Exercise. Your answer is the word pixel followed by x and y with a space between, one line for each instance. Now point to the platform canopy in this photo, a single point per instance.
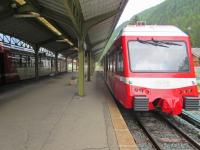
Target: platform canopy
pixel 59 24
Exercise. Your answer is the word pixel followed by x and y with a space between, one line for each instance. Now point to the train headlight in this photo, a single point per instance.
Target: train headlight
pixel 141 91
pixel 187 91
pixel 147 91
pixel 180 91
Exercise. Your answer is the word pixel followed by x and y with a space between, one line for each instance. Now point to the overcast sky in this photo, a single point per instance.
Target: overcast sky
pixel 134 7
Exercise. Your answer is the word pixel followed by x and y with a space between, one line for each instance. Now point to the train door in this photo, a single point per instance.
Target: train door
pixel 2 69
pixel 119 72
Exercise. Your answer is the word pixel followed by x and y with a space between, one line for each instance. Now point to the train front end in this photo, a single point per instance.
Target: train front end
pixel 160 70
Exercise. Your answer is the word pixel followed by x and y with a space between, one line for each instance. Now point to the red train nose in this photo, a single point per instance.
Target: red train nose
pixel 171 106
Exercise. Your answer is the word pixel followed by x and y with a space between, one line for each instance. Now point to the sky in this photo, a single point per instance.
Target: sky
pixel 134 7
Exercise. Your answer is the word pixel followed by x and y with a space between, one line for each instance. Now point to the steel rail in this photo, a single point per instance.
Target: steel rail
pixel 181 132
pixel 191 120
pixel 152 138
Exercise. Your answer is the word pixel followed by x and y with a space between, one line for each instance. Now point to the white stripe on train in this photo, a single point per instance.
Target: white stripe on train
pixel 159 83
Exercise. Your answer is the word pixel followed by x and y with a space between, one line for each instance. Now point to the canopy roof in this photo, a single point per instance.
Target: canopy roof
pixel 58 24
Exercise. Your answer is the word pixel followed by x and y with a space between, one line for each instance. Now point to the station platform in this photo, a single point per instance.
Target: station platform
pixel 49 115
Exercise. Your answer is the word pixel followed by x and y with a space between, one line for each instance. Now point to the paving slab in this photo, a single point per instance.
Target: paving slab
pixel 49 115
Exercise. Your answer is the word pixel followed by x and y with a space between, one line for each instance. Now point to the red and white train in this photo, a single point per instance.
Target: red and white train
pixel 19 64
pixel 151 67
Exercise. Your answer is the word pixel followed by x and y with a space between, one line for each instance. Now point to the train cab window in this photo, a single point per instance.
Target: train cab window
pixel 170 56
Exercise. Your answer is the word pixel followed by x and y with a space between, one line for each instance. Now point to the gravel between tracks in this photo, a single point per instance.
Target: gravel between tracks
pixel 167 137
pixel 141 139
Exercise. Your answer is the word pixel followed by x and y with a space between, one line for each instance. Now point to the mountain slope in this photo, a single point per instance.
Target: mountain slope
pixel 182 13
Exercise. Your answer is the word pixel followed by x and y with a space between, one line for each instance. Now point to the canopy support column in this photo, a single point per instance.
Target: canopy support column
pixel 92 65
pixel 89 66
pixel 81 55
pixel 36 49
pixel 56 62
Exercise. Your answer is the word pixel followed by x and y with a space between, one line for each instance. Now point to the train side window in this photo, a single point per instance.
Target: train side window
pixel 32 61
pixel 106 63
pixel 20 60
pixel 110 63
pixel 120 63
pixel 13 59
pixel 113 62
pixel 29 61
pixel 24 61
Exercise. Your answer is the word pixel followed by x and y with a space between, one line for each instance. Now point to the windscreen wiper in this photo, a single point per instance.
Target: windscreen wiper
pixel 152 43
pixel 166 42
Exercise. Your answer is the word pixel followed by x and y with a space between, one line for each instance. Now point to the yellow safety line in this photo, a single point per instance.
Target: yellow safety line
pixel 124 137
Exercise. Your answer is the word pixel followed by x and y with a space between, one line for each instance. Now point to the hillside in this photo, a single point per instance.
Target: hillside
pixel 183 13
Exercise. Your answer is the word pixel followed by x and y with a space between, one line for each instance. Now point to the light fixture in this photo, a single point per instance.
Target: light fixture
pixel 21 2
pixel 43 21
pixel 27 15
pixel 75 48
pixel 65 40
pixel 49 25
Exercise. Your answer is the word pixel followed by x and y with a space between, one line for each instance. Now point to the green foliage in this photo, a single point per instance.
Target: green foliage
pixel 184 14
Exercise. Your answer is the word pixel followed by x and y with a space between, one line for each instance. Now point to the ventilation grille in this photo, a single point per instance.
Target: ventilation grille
pixel 191 103
pixel 141 104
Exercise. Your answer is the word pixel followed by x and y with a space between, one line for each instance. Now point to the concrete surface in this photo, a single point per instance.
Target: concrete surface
pixel 48 115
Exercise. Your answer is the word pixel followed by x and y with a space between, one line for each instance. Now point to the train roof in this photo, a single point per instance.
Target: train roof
pixel 152 30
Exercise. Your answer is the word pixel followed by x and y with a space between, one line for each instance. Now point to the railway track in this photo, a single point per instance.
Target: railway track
pixel 158 131
pixel 164 133
pixel 192 117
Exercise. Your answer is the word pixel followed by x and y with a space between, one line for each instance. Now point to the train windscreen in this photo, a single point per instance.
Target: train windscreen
pixel 158 56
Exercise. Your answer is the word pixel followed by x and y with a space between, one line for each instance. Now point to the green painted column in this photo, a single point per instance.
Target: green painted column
pixel 89 66
pixel 92 65
pixel 81 55
pixel 36 49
